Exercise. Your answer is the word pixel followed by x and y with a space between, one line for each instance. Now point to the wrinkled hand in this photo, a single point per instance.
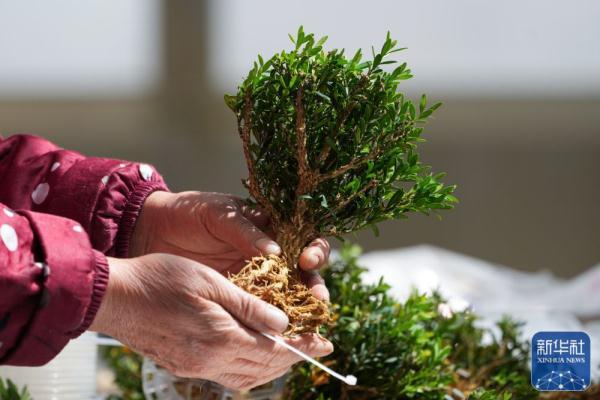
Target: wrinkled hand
pixel 196 323
pixel 218 230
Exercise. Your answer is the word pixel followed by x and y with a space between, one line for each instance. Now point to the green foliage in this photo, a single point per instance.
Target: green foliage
pixel 409 350
pixel 127 366
pixel 397 350
pixel 330 141
pixel 10 391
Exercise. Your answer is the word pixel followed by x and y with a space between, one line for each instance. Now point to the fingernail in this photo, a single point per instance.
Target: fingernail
pixel 267 246
pixel 314 260
pixel 278 321
pixel 321 293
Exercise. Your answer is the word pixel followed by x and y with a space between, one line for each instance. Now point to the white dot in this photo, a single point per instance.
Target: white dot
pixel 146 171
pixel 40 193
pixel 9 237
pixel 572 380
pixel 560 386
pixel 122 165
pixel 549 380
pixel 559 374
pixel 40 265
pixel 55 166
pixel 78 228
pixel 537 386
pixel 105 180
pixel 9 213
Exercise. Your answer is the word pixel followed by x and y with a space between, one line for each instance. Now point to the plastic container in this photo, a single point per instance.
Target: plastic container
pixel 159 384
pixel 69 376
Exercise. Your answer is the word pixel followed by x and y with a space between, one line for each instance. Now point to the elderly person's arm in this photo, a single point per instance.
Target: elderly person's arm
pixel 62 212
pixel 186 316
pixel 105 196
pixel 51 285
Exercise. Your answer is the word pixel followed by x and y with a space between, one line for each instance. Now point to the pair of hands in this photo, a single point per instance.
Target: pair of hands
pixel 165 303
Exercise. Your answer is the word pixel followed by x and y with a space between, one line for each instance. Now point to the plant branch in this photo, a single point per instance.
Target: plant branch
pixel 355 163
pixel 245 130
pixel 341 206
pixel 341 120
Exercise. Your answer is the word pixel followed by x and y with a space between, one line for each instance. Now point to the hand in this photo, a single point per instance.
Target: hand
pixel 196 323
pixel 218 230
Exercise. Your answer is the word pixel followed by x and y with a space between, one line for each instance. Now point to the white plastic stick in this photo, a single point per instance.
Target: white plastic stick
pixel 104 341
pixel 348 379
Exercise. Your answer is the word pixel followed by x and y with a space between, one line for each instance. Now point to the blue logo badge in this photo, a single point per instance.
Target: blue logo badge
pixel 560 361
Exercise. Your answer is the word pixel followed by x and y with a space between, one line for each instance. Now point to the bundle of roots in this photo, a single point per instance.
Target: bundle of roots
pixel 269 278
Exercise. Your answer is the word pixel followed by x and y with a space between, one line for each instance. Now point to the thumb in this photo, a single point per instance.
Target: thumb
pixel 247 308
pixel 242 234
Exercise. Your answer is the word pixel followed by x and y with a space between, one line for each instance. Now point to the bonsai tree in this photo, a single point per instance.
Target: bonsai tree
pixel 331 148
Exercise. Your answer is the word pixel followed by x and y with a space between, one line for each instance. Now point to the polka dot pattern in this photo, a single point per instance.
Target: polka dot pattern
pixel 146 171
pixel 65 189
pixel 9 237
pixel 40 193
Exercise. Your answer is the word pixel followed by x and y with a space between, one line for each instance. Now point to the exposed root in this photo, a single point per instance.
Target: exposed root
pixel 269 279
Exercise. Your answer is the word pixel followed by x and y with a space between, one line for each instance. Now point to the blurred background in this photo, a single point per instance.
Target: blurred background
pixel 519 131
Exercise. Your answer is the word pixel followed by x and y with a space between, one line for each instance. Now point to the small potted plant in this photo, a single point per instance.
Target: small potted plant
pixel 331 148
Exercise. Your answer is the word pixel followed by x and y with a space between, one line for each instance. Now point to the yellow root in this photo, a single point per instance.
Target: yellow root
pixel 269 279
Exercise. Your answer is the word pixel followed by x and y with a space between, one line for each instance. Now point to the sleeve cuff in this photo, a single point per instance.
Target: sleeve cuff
pixel 73 282
pixel 131 213
pixel 101 194
pixel 98 289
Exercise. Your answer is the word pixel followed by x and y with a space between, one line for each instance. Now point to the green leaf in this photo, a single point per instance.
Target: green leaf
pixel 321 41
pixel 322 95
pixel 324 201
pixel 422 104
pixel 231 102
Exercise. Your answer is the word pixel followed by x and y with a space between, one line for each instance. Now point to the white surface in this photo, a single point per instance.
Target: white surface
pixel 462 47
pixel 69 376
pixel 541 300
pixel 67 48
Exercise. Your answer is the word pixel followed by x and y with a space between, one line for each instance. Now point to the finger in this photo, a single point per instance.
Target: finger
pixel 316 284
pixel 315 255
pixel 246 308
pixel 259 349
pixel 245 366
pixel 312 344
pixel 269 378
pixel 236 382
pixel 256 215
pixel 234 228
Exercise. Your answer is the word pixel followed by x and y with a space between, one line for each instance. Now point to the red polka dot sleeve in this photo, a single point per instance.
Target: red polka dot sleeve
pixel 60 213
pixel 104 195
